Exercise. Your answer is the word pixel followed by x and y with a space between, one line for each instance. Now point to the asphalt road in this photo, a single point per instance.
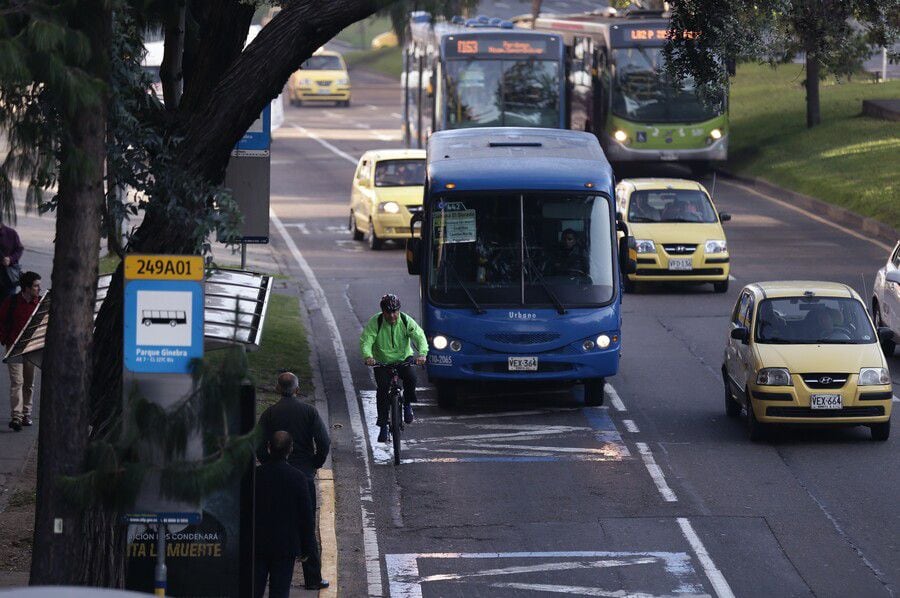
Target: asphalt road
pixel 655 494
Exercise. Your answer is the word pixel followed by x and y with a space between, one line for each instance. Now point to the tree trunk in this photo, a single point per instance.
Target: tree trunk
pixel 536 9
pixel 66 369
pixel 813 114
pixel 170 71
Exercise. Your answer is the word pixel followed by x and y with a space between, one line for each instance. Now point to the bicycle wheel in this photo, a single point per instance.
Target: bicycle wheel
pixel 396 424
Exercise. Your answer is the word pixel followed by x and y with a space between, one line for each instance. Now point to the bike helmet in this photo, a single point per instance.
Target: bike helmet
pixel 390 302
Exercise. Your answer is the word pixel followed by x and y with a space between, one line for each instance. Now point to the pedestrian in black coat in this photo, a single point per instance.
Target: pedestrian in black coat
pixel 310 449
pixel 285 520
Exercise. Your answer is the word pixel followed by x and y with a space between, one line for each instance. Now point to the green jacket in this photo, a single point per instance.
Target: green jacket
pixel 391 343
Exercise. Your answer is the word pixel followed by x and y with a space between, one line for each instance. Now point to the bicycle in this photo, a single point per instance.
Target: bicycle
pixel 395 407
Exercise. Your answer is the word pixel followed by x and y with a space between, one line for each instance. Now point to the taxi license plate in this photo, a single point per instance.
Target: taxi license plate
pixel 523 364
pixel 826 402
pixel 324 91
pixel 682 263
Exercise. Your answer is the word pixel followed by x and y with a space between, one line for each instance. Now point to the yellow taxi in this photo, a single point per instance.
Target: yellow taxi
pixel 677 230
pixel 322 77
pixel 802 352
pixel 387 190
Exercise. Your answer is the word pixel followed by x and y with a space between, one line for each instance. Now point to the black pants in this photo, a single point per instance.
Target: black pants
pixel 383 380
pixel 312 566
pixel 278 572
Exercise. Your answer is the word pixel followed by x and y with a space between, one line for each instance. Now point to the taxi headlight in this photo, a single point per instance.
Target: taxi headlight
pixel 455 345
pixel 620 136
pixel 645 246
pixel 603 341
pixel 716 134
pixel 873 377
pixel 304 81
pixel 391 207
pixel 439 342
pixel 716 246
pixel 773 377
pixel 346 81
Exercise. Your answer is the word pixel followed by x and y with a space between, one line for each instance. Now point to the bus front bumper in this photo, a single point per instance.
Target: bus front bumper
pixel 714 152
pixel 550 366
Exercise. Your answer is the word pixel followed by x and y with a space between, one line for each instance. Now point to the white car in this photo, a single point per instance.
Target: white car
pixel 886 300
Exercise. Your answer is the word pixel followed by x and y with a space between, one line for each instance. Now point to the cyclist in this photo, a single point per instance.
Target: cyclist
pixel 386 339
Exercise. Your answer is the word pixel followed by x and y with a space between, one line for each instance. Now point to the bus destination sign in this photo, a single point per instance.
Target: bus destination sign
pixel 649 35
pixel 485 46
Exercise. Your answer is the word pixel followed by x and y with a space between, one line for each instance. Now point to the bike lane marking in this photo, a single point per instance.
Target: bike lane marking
pixel 370 535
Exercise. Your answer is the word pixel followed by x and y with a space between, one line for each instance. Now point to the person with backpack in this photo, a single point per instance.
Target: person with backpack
pixel 14 314
pixel 386 339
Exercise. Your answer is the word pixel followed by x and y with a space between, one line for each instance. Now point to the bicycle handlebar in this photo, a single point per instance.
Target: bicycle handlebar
pixel 407 361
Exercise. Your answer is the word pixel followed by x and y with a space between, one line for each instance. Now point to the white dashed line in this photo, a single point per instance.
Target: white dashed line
pixel 301 226
pixel 371 107
pixel 614 398
pixel 719 584
pixel 326 145
pixel 396 115
pixel 656 473
pixel 630 426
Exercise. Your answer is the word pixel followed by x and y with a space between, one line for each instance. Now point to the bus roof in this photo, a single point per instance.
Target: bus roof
pixel 517 158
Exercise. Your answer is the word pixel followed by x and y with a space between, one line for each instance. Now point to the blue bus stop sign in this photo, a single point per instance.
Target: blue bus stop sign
pixel 258 137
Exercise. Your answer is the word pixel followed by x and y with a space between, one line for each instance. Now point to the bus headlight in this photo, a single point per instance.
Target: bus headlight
pixel 455 345
pixel 391 207
pixel 645 246
pixel 439 342
pixel 716 134
pixel 716 246
pixel 587 345
pixel 603 341
pixel 620 136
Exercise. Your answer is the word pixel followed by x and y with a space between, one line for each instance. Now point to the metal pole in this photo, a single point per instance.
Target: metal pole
pixel 159 574
pixel 883 64
pixel 243 255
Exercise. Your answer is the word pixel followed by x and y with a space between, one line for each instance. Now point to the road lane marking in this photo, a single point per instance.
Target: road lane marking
pixel 301 226
pixel 614 398
pixel 896 400
pixel 370 535
pixel 731 277
pixel 327 146
pixel 371 107
pixel 630 426
pixel 719 584
pixel 396 115
pixel 656 473
pixel 362 125
pixel 676 569
pixel 809 214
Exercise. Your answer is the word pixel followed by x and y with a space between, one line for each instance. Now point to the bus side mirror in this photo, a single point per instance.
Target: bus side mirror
pixel 628 255
pixel 413 255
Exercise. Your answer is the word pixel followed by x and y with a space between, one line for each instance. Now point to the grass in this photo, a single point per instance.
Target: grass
pixel 21 498
pixel 108 263
pixel 849 160
pixel 360 34
pixel 387 61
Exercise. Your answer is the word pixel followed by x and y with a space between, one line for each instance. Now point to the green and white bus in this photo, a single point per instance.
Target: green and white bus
pixel 618 88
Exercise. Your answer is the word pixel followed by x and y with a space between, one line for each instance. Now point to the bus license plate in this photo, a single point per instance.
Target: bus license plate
pixel 523 364
pixel 826 402
pixel 680 263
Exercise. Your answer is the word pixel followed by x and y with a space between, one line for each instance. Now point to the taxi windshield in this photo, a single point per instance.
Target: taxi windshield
pixel 400 173
pixel 322 63
pixel 813 320
pixel 670 205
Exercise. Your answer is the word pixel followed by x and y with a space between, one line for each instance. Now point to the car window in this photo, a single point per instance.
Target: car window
pixel 739 308
pixel 813 320
pixel 323 63
pixel 670 205
pixel 896 259
pixel 400 173
pixel 747 312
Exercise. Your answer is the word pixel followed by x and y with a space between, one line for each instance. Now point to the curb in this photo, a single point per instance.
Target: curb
pixel 850 220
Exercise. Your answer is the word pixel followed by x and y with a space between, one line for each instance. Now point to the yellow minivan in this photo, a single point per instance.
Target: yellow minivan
pixel 322 77
pixel 387 190
pixel 677 230
pixel 802 352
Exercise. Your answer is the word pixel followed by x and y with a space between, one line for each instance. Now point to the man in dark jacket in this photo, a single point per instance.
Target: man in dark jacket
pixel 285 520
pixel 14 314
pixel 310 449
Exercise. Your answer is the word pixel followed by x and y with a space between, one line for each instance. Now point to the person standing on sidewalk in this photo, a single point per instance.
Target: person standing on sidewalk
pixel 14 314
pixel 310 449
pixel 285 520
pixel 10 253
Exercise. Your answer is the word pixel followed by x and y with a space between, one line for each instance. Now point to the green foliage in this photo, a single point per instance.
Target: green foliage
pixel 387 61
pixel 399 11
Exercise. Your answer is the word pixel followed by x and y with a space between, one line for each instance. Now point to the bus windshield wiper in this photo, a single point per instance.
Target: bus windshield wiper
pixel 475 306
pixel 560 308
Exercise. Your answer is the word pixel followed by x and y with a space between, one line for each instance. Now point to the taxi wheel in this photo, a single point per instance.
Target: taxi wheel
pixel 357 234
pixel 721 287
pixel 755 430
pixel 374 242
pixel 594 392
pixel 732 407
pixel 628 286
pixel 882 431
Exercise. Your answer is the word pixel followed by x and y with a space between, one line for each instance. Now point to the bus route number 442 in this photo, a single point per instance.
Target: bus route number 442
pixel 523 364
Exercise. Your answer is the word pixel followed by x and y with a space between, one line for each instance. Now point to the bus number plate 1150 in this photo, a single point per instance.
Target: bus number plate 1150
pixel 523 364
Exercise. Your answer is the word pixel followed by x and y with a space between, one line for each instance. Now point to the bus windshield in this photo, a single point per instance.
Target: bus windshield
pixel 643 92
pixel 521 249
pixel 488 93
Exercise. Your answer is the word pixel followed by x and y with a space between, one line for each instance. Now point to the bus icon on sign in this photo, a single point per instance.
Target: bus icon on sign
pixel 156 316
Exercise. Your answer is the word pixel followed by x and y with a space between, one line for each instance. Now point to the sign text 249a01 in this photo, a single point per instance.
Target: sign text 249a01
pixel 163 267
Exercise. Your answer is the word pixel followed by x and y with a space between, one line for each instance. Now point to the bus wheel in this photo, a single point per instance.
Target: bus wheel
pixel 447 394
pixel 594 391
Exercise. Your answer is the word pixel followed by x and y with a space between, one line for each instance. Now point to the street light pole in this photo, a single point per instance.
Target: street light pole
pixel 159 573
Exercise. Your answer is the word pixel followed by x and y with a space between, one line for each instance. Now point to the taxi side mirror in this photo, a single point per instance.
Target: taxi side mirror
pixel 628 255
pixel 741 334
pixel 885 335
pixel 724 216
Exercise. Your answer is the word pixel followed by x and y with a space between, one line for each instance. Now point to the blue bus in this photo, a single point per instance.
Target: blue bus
pixel 479 72
pixel 518 259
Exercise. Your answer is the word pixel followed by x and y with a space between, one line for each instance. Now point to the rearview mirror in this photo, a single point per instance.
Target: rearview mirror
pixel 628 255
pixel 724 216
pixel 740 334
pixel 413 255
pixel 885 335
pixel 893 276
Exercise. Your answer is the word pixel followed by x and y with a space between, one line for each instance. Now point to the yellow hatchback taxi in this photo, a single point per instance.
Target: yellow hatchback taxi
pixel 677 230
pixel 805 353
pixel 387 190
pixel 322 77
